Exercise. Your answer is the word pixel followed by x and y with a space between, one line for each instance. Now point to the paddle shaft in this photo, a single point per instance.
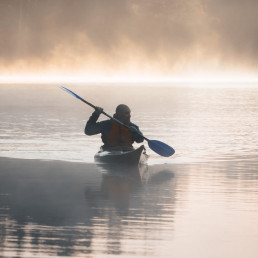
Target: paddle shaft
pixel 157 146
pixel 111 117
pixel 104 113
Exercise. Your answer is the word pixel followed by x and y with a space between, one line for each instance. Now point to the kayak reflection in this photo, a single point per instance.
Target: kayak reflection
pixel 125 171
pixel 118 182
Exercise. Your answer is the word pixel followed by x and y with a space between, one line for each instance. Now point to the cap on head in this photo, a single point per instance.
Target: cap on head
pixel 123 113
pixel 122 107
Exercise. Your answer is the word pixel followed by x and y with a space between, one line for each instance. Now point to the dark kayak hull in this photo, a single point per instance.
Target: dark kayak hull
pixel 122 156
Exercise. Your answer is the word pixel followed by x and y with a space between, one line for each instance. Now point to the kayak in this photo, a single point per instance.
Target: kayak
pixel 122 156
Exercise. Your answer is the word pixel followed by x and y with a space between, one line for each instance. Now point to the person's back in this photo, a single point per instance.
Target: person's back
pixel 112 133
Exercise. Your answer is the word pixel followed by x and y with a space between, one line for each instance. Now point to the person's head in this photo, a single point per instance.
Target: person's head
pixel 123 113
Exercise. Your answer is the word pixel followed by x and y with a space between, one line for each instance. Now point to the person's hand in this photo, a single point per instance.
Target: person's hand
pixel 98 110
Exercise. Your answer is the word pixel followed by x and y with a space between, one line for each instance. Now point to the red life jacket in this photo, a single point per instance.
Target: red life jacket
pixel 118 136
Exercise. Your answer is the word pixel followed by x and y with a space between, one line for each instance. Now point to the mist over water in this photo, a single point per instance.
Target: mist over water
pixel 201 202
pixel 143 38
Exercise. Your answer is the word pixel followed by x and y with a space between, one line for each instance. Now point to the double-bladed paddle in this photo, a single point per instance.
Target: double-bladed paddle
pixel 157 146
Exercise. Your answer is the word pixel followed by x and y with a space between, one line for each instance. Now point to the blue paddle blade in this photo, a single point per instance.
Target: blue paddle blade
pixel 161 148
pixel 71 92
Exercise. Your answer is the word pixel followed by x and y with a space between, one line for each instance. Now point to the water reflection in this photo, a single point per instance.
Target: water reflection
pixel 74 209
pixel 118 182
pixel 56 208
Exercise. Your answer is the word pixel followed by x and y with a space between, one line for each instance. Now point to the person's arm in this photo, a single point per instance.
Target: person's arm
pixel 92 127
pixel 137 137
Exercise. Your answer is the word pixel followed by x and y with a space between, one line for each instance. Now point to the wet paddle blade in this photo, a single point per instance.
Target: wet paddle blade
pixel 161 148
pixel 76 96
pixel 70 92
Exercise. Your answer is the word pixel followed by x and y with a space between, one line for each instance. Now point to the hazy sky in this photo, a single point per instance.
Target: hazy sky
pixel 130 38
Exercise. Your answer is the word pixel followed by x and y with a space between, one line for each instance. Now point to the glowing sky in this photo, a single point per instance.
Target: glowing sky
pixel 129 39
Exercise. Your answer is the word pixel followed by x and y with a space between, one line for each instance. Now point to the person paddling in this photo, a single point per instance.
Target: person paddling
pixel 157 146
pixel 112 133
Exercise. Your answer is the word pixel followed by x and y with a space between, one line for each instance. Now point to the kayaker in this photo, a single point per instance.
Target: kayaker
pixel 112 133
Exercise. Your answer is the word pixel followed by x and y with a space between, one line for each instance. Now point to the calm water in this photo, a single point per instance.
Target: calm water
pixel 47 123
pixel 202 202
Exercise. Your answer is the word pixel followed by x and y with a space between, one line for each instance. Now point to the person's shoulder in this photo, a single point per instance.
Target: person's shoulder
pixel 105 122
pixel 105 125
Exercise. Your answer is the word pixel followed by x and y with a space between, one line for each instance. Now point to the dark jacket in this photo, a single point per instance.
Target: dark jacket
pixel 93 127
